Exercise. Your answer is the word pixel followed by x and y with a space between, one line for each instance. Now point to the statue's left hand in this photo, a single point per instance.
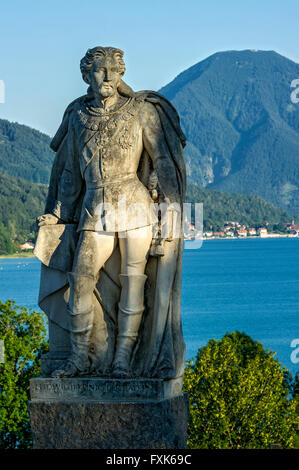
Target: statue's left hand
pixel 47 219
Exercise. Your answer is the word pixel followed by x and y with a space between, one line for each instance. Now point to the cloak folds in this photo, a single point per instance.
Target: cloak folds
pixel 160 348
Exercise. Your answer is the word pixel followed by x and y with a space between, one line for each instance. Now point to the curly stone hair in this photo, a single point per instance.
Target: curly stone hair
pixel 98 53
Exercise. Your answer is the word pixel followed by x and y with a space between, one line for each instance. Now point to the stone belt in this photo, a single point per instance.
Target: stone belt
pixel 110 181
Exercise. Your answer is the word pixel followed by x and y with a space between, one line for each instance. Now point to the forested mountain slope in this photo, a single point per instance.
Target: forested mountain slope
pixel 241 125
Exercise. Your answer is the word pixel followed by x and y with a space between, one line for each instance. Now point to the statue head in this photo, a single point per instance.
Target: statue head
pixel 102 68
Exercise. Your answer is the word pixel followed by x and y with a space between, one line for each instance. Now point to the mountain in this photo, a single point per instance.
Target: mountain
pixel 25 152
pixel 241 125
pixel 21 202
pixel 219 207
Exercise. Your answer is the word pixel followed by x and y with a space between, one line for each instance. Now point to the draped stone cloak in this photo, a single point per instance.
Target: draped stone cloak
pixel 160 348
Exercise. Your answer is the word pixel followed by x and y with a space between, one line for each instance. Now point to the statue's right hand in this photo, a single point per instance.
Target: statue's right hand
pixel 47 219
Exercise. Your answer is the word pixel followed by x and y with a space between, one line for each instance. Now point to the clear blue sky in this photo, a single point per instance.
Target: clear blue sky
pixel 43 41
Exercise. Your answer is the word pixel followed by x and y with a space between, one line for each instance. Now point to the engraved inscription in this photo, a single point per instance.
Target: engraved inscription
pixel 89 388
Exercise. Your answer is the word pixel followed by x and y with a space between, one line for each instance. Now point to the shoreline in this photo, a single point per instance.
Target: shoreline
pixel 18 255
pixel 32 255
pixel 203 239
pixel 248 238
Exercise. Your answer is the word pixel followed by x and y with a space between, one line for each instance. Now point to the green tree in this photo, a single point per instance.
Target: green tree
pixel 295 394
pixel 6 245
pixel 24 335
pixel 239 396
pixel 281 228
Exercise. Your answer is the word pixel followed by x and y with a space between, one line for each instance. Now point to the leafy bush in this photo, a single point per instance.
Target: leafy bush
pixel 239 396
pixel 24 335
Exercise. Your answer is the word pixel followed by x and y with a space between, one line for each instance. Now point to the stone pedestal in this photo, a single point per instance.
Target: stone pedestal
pixel 104 413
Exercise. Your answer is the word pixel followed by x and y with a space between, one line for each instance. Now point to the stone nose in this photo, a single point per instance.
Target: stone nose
pixel 107 75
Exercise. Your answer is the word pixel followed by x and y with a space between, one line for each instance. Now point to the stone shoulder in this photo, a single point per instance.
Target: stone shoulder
pixel 73 115
pixel 149 116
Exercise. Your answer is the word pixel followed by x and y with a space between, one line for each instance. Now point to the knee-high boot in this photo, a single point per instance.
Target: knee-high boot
pixel 131 306
pixel 81 311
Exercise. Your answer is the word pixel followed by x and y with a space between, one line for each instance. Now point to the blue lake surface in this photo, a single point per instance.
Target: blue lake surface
pixel 249 285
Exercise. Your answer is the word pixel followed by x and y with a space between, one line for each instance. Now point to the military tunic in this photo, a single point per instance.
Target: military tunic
pixel 104 150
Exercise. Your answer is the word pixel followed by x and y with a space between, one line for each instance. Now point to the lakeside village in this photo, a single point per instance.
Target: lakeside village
pixel 230 230
pixel 236 230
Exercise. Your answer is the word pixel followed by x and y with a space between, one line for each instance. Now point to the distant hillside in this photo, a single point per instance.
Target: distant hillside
pixel 241 126
pixel 219 207
pixel 21 203
pixel 25 152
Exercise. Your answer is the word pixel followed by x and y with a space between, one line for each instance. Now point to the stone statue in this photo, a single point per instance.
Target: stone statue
pixel 110 279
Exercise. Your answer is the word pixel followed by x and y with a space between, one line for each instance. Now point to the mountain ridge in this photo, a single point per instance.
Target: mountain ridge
pixel 25 152
pixel 242 128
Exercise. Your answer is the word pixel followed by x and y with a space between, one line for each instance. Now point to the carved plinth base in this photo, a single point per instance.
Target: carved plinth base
pixel 99 413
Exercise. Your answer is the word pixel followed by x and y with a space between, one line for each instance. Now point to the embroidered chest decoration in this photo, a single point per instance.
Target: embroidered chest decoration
pixel 112 126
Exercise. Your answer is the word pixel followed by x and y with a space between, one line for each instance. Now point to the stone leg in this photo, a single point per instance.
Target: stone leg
pixel 129 317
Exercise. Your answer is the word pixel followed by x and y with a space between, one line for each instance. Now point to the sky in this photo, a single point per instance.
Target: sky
pixel 43 41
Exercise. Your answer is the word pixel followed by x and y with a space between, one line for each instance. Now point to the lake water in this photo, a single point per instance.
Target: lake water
pixel 249 285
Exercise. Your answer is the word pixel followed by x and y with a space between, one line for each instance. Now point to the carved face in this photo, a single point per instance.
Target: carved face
pixel 104 77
